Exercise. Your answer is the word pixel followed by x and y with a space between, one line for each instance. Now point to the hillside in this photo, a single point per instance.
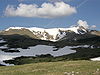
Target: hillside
pixel 94 32
pixel 54 68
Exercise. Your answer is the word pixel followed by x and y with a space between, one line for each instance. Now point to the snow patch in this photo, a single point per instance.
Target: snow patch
pixel 14 28
pixel 3 47
pixel 36 50
pixel 2 41
pixel 95 59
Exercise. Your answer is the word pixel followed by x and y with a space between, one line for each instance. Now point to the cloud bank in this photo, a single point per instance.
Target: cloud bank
pixel 46 10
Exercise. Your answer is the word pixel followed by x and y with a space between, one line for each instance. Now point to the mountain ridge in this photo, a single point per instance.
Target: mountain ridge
pixel 53 34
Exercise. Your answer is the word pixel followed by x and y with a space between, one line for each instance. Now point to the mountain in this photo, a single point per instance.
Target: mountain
pixel 44 43
pixel 53 34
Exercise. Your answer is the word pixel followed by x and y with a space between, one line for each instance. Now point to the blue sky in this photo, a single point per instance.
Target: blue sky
pixel 87 10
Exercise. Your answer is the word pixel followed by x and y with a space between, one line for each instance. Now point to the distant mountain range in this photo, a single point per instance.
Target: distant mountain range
pixel 53 34
pixel 60 37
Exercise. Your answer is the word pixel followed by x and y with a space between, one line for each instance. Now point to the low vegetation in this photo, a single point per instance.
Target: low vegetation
pixel 54 68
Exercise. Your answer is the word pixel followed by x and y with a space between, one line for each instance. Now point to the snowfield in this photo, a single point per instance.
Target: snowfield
pixel 36 50
pixel 39 50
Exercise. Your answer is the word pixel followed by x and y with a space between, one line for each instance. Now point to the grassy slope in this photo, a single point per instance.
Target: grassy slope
pixel 54 68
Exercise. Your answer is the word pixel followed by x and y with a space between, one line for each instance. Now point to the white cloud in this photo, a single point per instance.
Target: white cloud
pixel 83 23
pixel 46 10
pixel 93 26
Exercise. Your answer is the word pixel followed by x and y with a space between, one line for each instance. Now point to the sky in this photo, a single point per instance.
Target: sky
pixel 49 13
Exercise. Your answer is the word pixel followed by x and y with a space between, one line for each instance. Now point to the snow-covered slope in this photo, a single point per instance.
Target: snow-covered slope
pixel 52 34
